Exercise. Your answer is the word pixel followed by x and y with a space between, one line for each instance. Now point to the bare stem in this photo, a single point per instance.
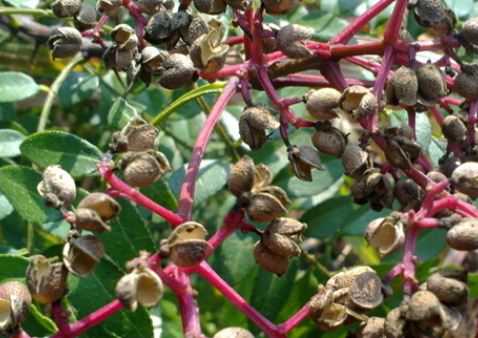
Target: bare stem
pixel 61 318
pixel 295 320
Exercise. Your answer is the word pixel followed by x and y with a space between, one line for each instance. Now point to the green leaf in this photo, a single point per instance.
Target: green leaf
pixel 13 267
pixel 460 7
pixel 5 207
pixel 120 113
pixel 78 87
pixel 15 86
pixel 38 324
pixel 72 153
pixel 18 184
pixel 10 141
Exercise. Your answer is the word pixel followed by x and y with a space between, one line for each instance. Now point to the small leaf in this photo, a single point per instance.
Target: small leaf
pixel 12 267
pixel 5 207
pixel 120 113
pixel 15 86
pixel 72 153
pixel 77 88
pixel 10 141
pixel 38 324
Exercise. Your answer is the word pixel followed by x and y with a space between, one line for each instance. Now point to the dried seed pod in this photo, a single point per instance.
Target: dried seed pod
pixel 283 236
pixel 177 71
pixel 466 83
pixel 150 7
pixel 140 286
pixel 15 300
pixel 64 42
pixel 470 31
pixel 210 6
pixel 464 235
pixel 88 219
pixel 377 188
pixel 322 103
pixel 46 280
pixel 108 7
pixel 366 290
pixel 409 194
pixel 106 206
pixel 278 7
pixel 423 305
pixel 233 332
pixel 454 129
pixel 208 52
pixel 403 87
pixel 144 168
pixel 396 155
pixel 162 29
pixel 434 14
pixel 394 324
pixel 65 8
pixel 194 30
pixel 323 298
pixel 140 135
pixel 344 279
pixel 368 106
pixel 253 124
pixel 57 187
pixel 241 176
pixel 262 177
pixel 81 254
pixel 239 4
pixel 431 84
pixel 332 316
pixel 465 178
pixel 291 39
pixel 374 328
pixel 270 261
pixel 124 36
pixel 302 160
pixel 351 97
pixel 329 140
pixel 385 234
pixel 449 291
pixel 265 207
pixel 151 58
pixel 86 17
pixel 354 160
pixel 187 244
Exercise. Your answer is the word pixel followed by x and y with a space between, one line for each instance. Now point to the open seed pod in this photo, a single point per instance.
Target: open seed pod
pixel 142 169
pixel 194 30
pixel 187 244
pixel 302 160
pixel 385 234
pixel 322 103
pixel 57 187
pixel 241 176
pixel 332 316
pixel 409 194
pixel 14 302
pixel 140 135
pixel 265 207
pixel 366 291
pixel 374 328
pixel 124 36
pixel 108 7
pixel 422 306
pixel 291 40
pixel 329 140
pixel 88 219
pixel 140 286
pixel 283 236
pixel 395 324
pixel 86 17
pixel 323 298
pixel 208 52
pixel 253 125
pixel 81 254
pixel 449 291
pixel 351 98
pixel 403 87
pixel 344 279
pixel 262 177
pixel 368 106
pixel 105 206
pixel 233 332
pixel 354 160
pixel 464 235
pixel 270 261
pixel 465 179
pixel 46 280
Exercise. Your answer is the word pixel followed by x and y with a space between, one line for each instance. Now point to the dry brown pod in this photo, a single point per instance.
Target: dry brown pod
pixel 187 244
pixel 403 87
pixel 466 83
pixel 108 7
pixel 470 31
pixel 177 71
pixel 65 8
pixel 278 7
pixel 303 159
pixel 283 236
pixel 354 160
pixel 57 187
pixel 81 254
pixel 262 177
pixel 431 83
pixel 464 235
pixel 139 134
pixel 142 169
pixel 385 234
pixel 88 219
pixel 465 179
pixel 253 125
pixel 454 129
pixel 329 140
pixel 210 6
pixel 351 97
pixel 449 291
pixel 332 316
pixel 241 176
pixel 374 328
pixel 124 36
pixel 366 290
pixel 322 103
pixel 15 300
pixel 434 14
pixel 46 279
pixel 265 207
pixel 105 205
pixel 409 194
pixel 194 30
pixel 86 17
pixel 233 332
pixel 323 298
pixel 368 106
pixel 291 40
pixel 394 324
pixel 270 261
pixel 422 306
pixel 208 52
pixel 344 279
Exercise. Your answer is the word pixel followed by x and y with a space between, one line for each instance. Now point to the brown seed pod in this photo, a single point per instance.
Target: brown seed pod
pixel 194 30
pixel 394 324
pixel 283 236
pixel 265 207
pixel 464 235
pixel 262 177
pixel 332 316
pixel 470 31
pixel 291 39
pixel 366 290
pixel 278 7
pixel 86 17
pixel 210 6
pixel 396 155
pixel 57 187
pixel 208 52
pixel 302 160
pixel 106 206
pixel 323 298
pixel 187 244
pixel 466 83
pixel 368 106
pixel 379 189
pixel 139 134
pixel 88 219
pixel 253 124
pixel 176 71
pixel 270 261
pixel 162 29
pixel 454 129
pixel 150 6
pixel 403 87
pixel 46 280
pixel 385 234
pixel 124 36
pixel 329 140
pixel 65 8
pixel 15 300
pixel 351 97
pixel 409 194
pixel 344 279
pixel 140 286
pixel 108 7
pixel 423 305
pixel 431 84
pixel 144 168
pixel 233 332
pixel 465 179
pixel 64 42
pixel 322 103
pixel 82 254
pixel 241 176
pixel 151 58
pixel 449 291
pixel 354 160
pixel 374 328
pixel 434 14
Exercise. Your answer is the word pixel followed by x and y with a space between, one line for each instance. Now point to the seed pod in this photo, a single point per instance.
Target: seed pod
pixel 264 207
pixel 262 177
pixel 409 194
pixel 394 324
pixel 454 129
pixel 86 17
pixel 140 286
pixel 15 300
pixel 464 235
pixel 108 7
pixel 46 280
pixel 65 8
pixel 233 332
pixel 344 279
pixel 354 160
pixel 241 176
pixel 302 160
pixel 144 168
pixel 207 51
pixel 373 328
pixel 124 36
pixel 57 187
pixel 366 290
pixel 465 179
pixel 81 254
pixel 64 42
pixel 351 97
pixel 210 6
pixel 162 29
pixel 151 58
pixel 396 155
pixel 177 71
pixel 423 305
pixel 449 291
pixel 150 7
pixel 187 244
pixel 381 187
pixel 140 135
pixel 291 38
pixel 329 140
pixel 368 106
pixel 323 298
pixel 253 124
pixel 283 236
pixel 194 30
pixel 106 206
pixel 385 234
pixel 278 7
pixel 466 83
pixel 88 219
pixel 434 14
pixel 470 31
pixel 431 84
pixel 322 103
pixel 270 261
pixel 403 87
pixel 332 316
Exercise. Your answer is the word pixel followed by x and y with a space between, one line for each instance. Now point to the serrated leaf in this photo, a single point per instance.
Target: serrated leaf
pixel 16 86
pixel 18 184
pixel 120 113
pixel 10 141
pixel 13 267
pixel 72 153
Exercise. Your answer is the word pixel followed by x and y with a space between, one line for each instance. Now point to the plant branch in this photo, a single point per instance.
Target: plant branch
pixel 25 11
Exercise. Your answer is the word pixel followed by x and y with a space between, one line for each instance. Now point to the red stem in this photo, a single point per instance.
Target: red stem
pixel 60 317
pixel 392 32
pixel 295 320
